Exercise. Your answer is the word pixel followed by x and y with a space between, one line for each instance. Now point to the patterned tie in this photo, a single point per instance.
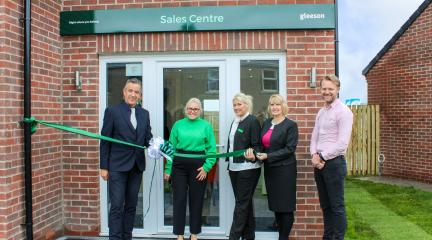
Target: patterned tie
pixel 133 118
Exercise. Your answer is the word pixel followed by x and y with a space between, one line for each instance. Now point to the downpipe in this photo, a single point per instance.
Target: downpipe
pixel 27 125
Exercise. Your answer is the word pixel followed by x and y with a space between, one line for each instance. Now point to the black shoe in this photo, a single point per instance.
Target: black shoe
pixel 244 238
pixel 273 226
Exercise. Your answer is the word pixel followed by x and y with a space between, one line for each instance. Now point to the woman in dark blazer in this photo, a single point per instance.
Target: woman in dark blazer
pixel 245 132
pixel 279 138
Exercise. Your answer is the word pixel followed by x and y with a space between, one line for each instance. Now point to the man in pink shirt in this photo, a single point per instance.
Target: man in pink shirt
pixel 330 139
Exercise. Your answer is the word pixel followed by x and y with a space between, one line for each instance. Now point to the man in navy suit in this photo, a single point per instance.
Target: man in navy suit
pixel 122 166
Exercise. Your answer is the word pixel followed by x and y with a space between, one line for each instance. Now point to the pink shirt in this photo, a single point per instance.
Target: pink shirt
pixel 332 131
pixel 266 138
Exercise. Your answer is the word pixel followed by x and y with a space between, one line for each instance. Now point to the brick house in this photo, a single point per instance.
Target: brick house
pixel 400 80
pixel 68 196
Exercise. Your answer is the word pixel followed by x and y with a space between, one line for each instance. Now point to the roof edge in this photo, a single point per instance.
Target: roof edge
pixel 396 36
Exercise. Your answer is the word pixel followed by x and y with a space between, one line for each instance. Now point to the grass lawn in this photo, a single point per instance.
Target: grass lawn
pixel 381 211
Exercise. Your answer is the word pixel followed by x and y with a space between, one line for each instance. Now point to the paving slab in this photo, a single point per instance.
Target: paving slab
pixel 399 182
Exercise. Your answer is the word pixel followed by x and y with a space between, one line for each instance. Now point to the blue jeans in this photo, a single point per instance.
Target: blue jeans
pixel 330 185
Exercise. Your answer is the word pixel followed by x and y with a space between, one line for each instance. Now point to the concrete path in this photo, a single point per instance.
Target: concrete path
pixel 400 182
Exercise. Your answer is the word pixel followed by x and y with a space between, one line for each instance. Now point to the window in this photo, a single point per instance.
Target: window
pixel 213 80
pixel 269 80
pixel 260 79
pixel 118 74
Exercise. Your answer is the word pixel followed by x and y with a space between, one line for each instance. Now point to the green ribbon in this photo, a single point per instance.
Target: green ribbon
pixel 237 153
pixel 34 122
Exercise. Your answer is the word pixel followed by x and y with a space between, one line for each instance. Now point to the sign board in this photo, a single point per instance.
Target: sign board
pixel 222 18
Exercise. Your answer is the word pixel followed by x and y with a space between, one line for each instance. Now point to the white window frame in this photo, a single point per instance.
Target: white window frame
pixel 228 89
pixel 264 78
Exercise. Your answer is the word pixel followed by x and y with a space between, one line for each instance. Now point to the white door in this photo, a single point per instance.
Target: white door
pixel 177 83
pixel 168 82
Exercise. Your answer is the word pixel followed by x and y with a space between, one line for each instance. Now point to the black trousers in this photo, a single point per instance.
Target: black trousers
pixel 243 184
pixel 285 221
pixel 184 185
pixel 123 193
pixel 330 185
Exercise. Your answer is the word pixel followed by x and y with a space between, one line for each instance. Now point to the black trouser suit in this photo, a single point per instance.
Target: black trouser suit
pixel 244 183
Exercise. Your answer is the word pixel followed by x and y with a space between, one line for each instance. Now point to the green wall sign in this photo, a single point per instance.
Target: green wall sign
pixel 257 17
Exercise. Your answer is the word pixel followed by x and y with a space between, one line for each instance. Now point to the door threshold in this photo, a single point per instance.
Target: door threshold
pixel 150 237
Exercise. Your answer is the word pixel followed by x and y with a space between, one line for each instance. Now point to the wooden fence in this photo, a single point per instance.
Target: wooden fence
pixel 364 148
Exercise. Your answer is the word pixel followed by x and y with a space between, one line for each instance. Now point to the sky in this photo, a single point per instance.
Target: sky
pixel 365 26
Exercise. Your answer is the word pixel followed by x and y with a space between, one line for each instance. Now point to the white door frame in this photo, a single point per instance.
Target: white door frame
pixel 223 179
pixel 229 85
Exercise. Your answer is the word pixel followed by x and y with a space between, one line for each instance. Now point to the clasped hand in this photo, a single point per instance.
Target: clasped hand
pixel 317 162
pixel 250 155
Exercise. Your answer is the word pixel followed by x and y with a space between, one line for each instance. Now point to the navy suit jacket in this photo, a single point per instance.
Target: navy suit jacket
pixel 116 124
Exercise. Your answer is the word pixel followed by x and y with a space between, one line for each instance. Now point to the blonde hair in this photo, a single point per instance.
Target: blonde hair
pixel 246 99
pixel 277 99
pixel 193 100
pixel 331 78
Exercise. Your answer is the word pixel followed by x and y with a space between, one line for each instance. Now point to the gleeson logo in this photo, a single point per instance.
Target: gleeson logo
pixel 304 16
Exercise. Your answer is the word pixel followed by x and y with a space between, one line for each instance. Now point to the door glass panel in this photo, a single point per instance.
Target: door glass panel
pixel 260 79
pixel 181 84
pixel 117 74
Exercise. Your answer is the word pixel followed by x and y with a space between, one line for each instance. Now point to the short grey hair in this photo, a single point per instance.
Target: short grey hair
pixel 133 81
pixel 246 99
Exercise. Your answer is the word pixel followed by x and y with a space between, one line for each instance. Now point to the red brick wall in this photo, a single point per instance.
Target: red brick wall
pixel 80 154
pixel 401 83
pixel 304 50
pixel 46 104
pixel 65 166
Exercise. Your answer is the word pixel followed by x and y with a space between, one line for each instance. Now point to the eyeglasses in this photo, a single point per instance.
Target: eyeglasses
pixel 193 109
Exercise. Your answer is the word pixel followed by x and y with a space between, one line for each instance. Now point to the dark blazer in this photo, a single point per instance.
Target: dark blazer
pixel 283 142
pixel 116 124
pixel 248 135
pixel 280 168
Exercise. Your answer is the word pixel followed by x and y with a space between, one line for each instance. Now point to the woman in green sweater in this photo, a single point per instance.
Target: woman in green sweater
pixel 190 135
